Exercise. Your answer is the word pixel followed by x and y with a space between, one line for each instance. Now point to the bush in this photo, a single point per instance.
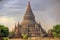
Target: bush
pixel 56 31
pixel 4 30
pixel 25 36
pixel 5 38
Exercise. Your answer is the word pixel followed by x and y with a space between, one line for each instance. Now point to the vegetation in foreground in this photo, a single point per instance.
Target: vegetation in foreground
pixel 5 38
pixel 4 32
pixel 55 32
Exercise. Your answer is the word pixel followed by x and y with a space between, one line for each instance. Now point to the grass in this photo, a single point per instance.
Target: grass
pixel 5 38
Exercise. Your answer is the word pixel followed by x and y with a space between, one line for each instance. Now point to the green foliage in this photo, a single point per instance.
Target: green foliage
pixel 25 36
pixel 56 31
pixel 4 30
pixel 5 38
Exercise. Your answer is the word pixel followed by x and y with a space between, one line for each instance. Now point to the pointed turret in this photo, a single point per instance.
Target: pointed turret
pixel 18 24
pixel 15 26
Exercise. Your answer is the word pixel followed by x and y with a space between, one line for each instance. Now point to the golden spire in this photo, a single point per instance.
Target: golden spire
pixel 15 26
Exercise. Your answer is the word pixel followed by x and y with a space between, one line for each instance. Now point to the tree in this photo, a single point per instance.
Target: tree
pixel 4 30
pixel 1 38
pixel 56 31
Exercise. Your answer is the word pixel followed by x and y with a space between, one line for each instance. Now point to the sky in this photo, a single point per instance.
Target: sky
pixel 47 12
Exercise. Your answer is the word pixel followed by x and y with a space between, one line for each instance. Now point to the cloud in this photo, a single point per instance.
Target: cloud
pixel 11 4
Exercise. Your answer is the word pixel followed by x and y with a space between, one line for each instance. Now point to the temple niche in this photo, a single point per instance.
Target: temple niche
pixel 29 25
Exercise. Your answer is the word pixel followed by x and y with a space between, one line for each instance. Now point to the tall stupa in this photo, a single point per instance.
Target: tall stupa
pixel 29 18
pixel 29 26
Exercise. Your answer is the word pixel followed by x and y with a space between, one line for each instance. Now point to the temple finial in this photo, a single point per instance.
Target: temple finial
pixel 28 2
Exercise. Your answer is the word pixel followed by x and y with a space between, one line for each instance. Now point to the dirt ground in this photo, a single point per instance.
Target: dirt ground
pixel 37 39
